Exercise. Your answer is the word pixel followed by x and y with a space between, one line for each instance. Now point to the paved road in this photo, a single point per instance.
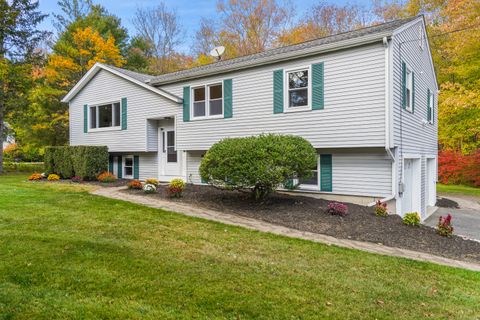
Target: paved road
pixel 465 220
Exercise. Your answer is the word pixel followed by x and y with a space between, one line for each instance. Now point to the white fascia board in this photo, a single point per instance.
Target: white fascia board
pixel 97 67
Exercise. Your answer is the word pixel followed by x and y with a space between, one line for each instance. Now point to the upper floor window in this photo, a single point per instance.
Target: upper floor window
pixel 105 115
pixel 298 84
pixel 409 89
pixel 430 107
pixel 208 101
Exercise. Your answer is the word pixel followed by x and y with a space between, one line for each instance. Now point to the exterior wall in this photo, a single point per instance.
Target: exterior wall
pixel 142 105
pixel 354 113
pixel 360 172
pixel 411 136
pixel 148 163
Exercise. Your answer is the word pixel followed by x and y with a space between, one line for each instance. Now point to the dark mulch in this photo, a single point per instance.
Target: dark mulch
pixel 308 214
pixel 446 203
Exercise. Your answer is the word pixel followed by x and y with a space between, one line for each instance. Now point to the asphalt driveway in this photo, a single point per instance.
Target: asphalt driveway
pixel 465 219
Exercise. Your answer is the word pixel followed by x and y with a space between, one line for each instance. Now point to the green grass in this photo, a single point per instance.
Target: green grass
pixel 66 254
pixel 458 189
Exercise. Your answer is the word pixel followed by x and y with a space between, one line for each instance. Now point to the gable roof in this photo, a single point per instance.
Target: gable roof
pixel 135 77
pixel 325 44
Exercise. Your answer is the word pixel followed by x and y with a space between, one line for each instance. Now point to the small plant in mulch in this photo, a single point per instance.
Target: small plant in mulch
pixel 77 179
pixel 412 219
pixel 135 184
pixel 337 209
pixel 444 226
pixel 381 209
pixel 107 177
pixel 152 181
pixel 149 188
pixel 35 177
pixel 53 177
pixel 175 188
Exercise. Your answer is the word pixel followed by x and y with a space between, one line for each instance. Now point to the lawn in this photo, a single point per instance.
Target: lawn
pixel 67 254
pixel 458 189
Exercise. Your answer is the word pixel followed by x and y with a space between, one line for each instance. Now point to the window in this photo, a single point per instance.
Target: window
pixel 208 101
pixel 128 167
pixel 313 180
pixel 105 116
pixel 409 89
pixel 171 152
pixel 430 107
pixel 298 88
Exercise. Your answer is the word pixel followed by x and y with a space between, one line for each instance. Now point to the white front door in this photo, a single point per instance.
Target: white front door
pixel 169 158
pixel 411 197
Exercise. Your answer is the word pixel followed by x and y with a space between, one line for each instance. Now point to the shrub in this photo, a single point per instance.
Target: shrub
pixel 444 226
pixel 16 153
pixel 135 184
pixel 53 177
pixel 457 168
pixel 107 177
pixel 260 163
pixel 381 209
pixel 35 177
pixel 149 188
pixel 27 167
pixel 86 162
pixel 175 188
pixel 412 219
pixel 337 209
pixel 152 181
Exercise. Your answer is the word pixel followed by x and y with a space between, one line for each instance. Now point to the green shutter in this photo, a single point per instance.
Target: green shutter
pixel 278 91
pixel 227 98
pixel 404 85
pixel 85 118
pixel 136 167
pixel 120 167
pixel 186 104
pixel 433 108
pixel 326 172
pixel 429 111
pixel 110 164
pixel 317 86
pixel 413 92
pixel 124 113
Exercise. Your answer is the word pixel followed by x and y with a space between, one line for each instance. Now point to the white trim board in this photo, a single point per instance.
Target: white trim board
pixel 99 66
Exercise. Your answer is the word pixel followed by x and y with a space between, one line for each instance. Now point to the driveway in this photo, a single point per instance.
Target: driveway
pixel 465 219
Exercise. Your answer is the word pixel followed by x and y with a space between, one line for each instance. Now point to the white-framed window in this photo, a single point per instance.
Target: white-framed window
pixel 409 89
pixel 128 167
pixel 312 181
pixel 105 116
pixel 298 89
pixel 430 107
pixel 207 101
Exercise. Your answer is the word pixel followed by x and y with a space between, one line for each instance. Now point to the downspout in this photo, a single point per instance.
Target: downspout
pixel 388 128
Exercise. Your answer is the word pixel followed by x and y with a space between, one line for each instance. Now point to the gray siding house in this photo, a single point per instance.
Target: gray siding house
pixel 366 100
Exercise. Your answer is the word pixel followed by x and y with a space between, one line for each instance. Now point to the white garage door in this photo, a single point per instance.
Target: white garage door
pixel 412 182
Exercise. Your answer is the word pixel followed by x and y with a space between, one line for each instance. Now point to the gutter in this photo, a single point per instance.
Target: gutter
pixel 275 58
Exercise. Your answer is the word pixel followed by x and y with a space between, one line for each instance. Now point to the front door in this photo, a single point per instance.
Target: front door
pixel 411 197
pixel 170 159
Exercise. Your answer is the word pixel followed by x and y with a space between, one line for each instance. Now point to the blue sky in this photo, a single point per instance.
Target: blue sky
pixel 190 12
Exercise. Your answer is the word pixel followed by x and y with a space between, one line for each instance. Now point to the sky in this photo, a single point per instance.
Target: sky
pixel 189 11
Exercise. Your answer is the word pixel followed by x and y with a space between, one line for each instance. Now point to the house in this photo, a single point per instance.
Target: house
pixel 366 100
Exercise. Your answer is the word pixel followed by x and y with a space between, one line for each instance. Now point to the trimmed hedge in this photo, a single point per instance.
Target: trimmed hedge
pixel 86 162
pixel 26 167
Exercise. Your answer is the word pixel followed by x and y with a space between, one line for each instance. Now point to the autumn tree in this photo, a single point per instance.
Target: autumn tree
pixel 160 29
pixel 18 38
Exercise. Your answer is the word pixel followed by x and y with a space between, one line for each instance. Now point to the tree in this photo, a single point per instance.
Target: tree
pixel 18 39
pixel 73 10
pixel 260 164
pixel 246 27
pixel 325 20
pixel 160 28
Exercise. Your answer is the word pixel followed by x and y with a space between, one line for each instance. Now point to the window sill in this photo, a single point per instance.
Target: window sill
pixel 309 187
pixel 104 129
pixel 297 109
pixel 220 116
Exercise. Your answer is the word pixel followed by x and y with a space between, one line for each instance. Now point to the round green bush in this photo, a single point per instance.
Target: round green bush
pixel 260 163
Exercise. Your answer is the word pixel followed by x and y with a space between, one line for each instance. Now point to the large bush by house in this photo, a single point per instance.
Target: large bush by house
pixel 260 163
pixel 86 162
pixel 457 168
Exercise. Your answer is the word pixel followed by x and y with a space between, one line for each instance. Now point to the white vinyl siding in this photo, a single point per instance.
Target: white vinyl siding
pixel 194 159
pixel 354 113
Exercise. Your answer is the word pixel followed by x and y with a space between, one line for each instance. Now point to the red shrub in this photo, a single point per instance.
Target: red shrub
pixel 337 209
pixel 444 226
pixel 456 168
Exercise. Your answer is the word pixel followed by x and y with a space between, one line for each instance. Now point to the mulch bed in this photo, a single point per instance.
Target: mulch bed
pixel 308 214
pixel 447 203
